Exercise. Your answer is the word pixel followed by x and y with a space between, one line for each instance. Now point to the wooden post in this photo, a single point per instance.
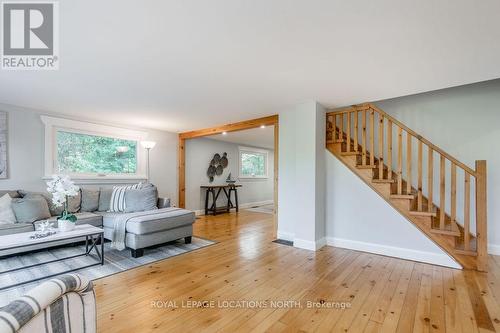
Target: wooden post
pixel 329 129
pixel 363 138
pixel 430 180
pixel 400 160
pixel 481 217
pixel 442 191
pixel 380 146
pixel 334 123
pixel 348 132
pixel 467 211
pixel 356 130
pixel 408 163
pixel 389 149
pixel 419 172
pixel 372 138
pixel 453 200
pixel 341 129
pixel 276 173
pixel 182 173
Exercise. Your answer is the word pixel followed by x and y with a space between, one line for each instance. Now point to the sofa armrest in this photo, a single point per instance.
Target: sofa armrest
pixel 163 203
pixel 34 303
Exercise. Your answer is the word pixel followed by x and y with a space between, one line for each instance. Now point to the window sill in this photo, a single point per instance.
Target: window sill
pixel 104 179
pixel 253 178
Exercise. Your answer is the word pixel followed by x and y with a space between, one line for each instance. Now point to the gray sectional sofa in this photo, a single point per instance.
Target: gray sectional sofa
pixel 145 229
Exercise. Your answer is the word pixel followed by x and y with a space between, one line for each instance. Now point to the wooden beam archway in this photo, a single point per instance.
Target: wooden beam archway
pixel 243 125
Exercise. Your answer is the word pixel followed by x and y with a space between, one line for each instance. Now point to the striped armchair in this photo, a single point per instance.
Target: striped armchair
pixel 62 304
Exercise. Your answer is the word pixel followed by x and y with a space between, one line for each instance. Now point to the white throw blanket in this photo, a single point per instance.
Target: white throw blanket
pixel 120 225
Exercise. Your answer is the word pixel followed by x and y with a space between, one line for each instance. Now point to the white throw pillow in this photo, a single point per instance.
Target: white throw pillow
pixel 6 213
pixel 117 203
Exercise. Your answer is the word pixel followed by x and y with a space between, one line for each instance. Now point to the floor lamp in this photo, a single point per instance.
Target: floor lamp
pixel 148 145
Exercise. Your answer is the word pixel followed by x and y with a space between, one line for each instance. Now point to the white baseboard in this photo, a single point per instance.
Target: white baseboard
pixel 427 257
pixel 285 236
pixel 200 212
pixel 309 245
pixel 256 204
pixel 494 249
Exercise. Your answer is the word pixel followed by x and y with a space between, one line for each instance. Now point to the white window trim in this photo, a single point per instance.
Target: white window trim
pixel 54 124
pixel 242 149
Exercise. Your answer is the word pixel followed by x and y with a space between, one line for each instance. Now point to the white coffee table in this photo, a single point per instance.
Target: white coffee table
pixel 93 236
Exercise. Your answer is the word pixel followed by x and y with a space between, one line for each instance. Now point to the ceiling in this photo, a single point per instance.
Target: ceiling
pixel 255 137
pixel 182 65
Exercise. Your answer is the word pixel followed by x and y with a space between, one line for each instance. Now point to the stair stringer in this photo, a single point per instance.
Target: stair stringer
pixel 422 223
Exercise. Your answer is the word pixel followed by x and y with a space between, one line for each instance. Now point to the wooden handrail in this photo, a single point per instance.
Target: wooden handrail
pixel 411 132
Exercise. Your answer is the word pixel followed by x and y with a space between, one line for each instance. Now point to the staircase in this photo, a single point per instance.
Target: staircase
pixel 442 197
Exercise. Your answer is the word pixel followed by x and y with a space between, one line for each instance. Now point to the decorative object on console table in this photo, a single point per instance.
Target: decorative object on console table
pixel 230 179
pixel 62 187
pixel 3 144
pixel 148 145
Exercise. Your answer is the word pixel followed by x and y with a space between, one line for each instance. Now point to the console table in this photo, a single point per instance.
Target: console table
pixel 215 191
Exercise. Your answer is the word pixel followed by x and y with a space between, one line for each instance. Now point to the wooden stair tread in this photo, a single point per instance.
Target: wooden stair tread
pixel 350 153
pixel 402 196
pixel 448 232
pixel 383 181
pixel 423 213
pixel 367 166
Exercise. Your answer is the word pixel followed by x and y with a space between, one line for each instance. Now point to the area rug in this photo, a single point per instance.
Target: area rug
pixel 267 209
pixel 115 262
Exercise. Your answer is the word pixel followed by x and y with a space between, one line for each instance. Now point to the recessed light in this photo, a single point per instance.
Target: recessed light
pixel 262 126
pixel 224 133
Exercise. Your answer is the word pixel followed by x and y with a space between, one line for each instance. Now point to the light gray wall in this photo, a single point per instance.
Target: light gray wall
pixel 199 153
pixel 358 218
pixel 26 154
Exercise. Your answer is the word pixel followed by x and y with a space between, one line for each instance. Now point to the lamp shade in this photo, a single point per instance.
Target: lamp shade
pixel 148 144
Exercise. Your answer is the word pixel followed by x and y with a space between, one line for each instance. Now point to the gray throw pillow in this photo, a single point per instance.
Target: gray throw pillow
pixel 141 200
pixel 13 194
pixel 73 202
pixel 29 210
pixel 90 200
pixel 105 199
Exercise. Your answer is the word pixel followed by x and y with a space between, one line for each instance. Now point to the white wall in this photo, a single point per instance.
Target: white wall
pixel 465 122
pixel 26 154
pixel 199 153
pixel 358 218
pixel 301 213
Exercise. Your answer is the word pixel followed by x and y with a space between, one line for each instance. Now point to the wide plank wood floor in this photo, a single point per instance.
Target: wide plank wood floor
pixel 373 293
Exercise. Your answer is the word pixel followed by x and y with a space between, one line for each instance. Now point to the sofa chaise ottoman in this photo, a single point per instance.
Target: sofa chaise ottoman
pixel 145 229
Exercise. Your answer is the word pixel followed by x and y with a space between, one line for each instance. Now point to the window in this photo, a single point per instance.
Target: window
pixel 253 163
pixel 90 152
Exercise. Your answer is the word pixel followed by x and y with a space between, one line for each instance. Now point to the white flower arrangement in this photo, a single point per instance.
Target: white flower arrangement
pixel 62 187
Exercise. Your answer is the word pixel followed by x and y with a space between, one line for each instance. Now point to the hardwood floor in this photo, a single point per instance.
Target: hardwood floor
pixel 374 293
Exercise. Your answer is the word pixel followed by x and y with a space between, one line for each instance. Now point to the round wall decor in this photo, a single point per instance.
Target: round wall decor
pixel 217 165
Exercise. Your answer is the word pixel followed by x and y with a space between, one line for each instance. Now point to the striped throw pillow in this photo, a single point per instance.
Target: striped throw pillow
pixel 117 203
